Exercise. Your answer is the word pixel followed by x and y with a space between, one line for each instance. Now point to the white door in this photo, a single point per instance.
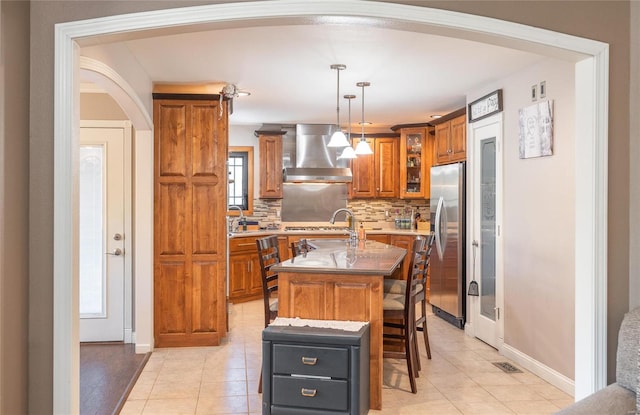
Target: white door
pixel 485 241
pixel 102 224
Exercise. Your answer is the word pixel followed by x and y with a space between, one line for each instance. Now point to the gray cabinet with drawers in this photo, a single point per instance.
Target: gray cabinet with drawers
pixel 315 371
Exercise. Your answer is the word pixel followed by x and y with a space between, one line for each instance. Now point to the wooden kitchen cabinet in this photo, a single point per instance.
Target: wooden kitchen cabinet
pixel 451 138
pixel 376 175
pixel 406 242
pixel 416 158
pixel 190 229
pixel 270 145
pixel 245 279
pixel 284 247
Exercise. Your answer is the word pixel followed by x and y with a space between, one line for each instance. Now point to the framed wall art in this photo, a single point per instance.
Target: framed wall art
pixel 536 130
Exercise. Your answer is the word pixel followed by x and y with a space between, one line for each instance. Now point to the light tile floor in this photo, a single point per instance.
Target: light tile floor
pixel 459 379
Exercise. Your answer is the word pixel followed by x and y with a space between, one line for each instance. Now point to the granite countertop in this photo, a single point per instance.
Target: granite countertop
pixel 337 256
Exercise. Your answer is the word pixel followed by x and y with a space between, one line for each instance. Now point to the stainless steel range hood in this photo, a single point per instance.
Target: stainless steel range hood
pixel 314 161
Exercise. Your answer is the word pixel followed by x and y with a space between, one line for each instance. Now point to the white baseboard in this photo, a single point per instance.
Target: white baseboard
pixel 128 336
pixel 469 330
pixel 143 348
pixel 555 378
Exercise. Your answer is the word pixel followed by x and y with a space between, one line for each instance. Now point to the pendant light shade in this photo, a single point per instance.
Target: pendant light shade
pixel 348 152
pixel 363 148
pixel 338 139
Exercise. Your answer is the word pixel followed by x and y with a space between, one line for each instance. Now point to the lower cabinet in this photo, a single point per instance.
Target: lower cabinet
pixel 245 279
pixel 406 242
pixel 309 370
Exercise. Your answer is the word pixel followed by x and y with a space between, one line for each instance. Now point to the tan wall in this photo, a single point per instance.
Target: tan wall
pixel 14 186
pixel 634 151
pixel 607 21
pixel 100 107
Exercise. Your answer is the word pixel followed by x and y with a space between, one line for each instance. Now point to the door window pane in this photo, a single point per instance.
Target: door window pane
pixel 488 228
pixel 92 266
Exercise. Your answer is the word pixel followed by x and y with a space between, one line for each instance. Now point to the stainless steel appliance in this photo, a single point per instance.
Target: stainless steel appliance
pixel 317 185
pixel 314 162
pixel 447 263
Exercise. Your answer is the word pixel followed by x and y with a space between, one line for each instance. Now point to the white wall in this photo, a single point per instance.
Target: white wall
pixel 120 59
pixel 539 227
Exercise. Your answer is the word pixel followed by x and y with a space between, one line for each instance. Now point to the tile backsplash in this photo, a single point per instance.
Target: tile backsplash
pixel 267 211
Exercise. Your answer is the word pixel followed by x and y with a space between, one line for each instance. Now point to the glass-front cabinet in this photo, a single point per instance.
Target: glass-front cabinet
pixel 416 156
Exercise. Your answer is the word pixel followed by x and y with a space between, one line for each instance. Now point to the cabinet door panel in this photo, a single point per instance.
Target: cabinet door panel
pixel 204 145
pixel 170 287
pixel 207 205
pixel 443 139
pixel 270 166
pixel 171 145
pixel 363 184
pixel 170 227
pixel 459 138
pixel 387 167
pixel 205 299
pixel 307 300
pixel 255 276
pixel 352 301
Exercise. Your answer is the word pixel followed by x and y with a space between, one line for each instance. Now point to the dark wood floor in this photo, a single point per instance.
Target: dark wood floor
pixel 108 371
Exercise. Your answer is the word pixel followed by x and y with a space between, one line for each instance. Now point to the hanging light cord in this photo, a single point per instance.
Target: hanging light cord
pixel 362 125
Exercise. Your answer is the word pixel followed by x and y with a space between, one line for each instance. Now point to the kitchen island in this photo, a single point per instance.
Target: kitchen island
pixel 341 280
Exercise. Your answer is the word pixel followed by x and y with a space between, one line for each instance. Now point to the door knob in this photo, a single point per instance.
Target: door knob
pixel 116 252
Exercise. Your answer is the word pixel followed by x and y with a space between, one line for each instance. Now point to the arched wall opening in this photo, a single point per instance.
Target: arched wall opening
pixel 591 156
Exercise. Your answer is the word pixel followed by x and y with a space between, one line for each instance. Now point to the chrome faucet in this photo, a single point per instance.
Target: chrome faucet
pixel 240 218
pixel 352 229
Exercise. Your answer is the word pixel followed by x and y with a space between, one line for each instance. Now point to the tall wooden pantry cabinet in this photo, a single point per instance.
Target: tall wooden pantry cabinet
pixel 190 191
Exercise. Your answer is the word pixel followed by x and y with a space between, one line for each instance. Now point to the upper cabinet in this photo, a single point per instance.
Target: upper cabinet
pixel 416 158
pixel 451 138
pixel 270 164
pixel 376 175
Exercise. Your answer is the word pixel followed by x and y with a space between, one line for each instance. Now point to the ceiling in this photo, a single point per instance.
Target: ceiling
pixel 287 70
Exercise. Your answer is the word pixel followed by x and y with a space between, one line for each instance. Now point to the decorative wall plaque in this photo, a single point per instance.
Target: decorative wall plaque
pixel 485 106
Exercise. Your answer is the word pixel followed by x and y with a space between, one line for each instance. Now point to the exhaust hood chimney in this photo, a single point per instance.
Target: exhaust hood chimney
pixel 315 162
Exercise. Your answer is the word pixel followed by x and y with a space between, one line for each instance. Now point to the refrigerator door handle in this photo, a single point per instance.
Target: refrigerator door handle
pixel 438 227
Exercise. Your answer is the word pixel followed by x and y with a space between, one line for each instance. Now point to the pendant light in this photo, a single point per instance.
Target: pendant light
pixel 348 152
pixel 338 139
pixel 363 148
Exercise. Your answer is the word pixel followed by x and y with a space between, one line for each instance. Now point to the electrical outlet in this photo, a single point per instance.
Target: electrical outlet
pixel 277 213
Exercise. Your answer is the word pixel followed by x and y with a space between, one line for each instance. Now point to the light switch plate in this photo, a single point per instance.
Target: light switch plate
pixel 543 89
pixel 534 92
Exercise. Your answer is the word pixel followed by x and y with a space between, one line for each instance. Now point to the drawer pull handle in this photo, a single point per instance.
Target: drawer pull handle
pixel 311 361
pixel 309 393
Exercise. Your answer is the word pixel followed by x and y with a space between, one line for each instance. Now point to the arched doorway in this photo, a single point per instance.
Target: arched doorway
pixel 591 73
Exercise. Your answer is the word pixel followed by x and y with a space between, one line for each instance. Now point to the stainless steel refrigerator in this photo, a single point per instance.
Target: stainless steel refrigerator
pixel 447 262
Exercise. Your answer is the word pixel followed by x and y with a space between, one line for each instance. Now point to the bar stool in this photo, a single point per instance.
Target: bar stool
pixel 269 255
pixel 302 247
pixel 399 287
pixel 399 313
